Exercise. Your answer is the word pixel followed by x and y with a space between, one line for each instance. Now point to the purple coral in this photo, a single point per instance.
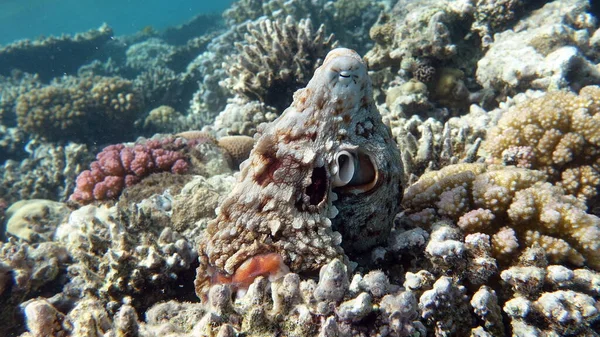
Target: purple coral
pixel 120 165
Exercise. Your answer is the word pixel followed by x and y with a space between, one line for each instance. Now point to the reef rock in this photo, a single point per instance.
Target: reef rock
pixel 326 170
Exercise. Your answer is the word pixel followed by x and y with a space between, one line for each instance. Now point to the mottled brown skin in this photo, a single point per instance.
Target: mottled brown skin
pixel 285 197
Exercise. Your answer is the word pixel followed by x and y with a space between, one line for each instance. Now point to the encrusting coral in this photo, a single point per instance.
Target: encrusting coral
pixel 548 49
pixel 327 155
pixel 513 205
pixel 557 133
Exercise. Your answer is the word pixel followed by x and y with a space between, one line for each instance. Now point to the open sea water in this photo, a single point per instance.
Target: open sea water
pixel 29 19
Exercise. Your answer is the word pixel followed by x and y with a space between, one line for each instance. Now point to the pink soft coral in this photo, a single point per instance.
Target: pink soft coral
pixel 118 166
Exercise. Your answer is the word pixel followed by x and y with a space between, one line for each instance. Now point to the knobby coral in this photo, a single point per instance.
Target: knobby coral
pixel 557 133
pixel 80 109
pixel 118 166
pixel 516 206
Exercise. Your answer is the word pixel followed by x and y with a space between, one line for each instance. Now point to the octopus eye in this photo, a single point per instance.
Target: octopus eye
pixel 355 170
pixel 345 162
pixel 345 74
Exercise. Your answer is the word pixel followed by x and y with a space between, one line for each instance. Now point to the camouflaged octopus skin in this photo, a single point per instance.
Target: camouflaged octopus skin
pixel 324 175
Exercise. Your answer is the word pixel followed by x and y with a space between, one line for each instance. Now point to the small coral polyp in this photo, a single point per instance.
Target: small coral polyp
pixel 328 154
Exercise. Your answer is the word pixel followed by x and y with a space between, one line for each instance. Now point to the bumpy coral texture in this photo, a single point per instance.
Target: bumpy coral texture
pixel 118 166
pixel 277 58
pixel 49 172
pixel 566 299
pixel 11 87
pixel 328 154
pixel 430 145
pixel 349 20
pixel 80 109
pixel 513 205
pixel 558 133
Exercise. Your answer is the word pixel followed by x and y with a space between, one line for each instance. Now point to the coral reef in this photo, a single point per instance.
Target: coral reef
pixel 48 172
pixel 430 145
pixel 416 29
pixel 277 58
pixel 349 20
pixel 328 154
pixel 148 54
pixel 53 56
pixel 118 166
pixel 114 259
pixel 11 87
pixel 237 147
pixel 242 117
pixel 163 86
pixel 85 109
pixel 35 219
pixel 513 205
pixel 565 299
pixel 294 223
pixel 163 119
pixel 557 133
pixel 211 97
pixel 24 270
pixel 199 25
pixel 545 50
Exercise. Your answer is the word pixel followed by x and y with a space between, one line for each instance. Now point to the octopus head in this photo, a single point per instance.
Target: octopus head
pixel 345 74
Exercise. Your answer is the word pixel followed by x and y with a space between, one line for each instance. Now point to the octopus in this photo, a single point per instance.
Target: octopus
pixel 322 181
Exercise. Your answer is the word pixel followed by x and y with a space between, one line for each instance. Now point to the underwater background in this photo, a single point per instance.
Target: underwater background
pixel 300 168
pixel 32 19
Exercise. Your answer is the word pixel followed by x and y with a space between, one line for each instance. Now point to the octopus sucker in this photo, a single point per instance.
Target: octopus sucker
pixel 326 164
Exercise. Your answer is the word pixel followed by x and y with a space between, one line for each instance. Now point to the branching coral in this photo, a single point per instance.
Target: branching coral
pixel 515 206
pixel 277 59
pixel 349 20
pixel 557 133
pixel 565 299
pixel 85 109
pixel 49 172
pixel 10 89
pixel 430 145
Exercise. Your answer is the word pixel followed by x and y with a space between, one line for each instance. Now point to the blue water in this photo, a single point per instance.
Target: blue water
pixel 20 19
